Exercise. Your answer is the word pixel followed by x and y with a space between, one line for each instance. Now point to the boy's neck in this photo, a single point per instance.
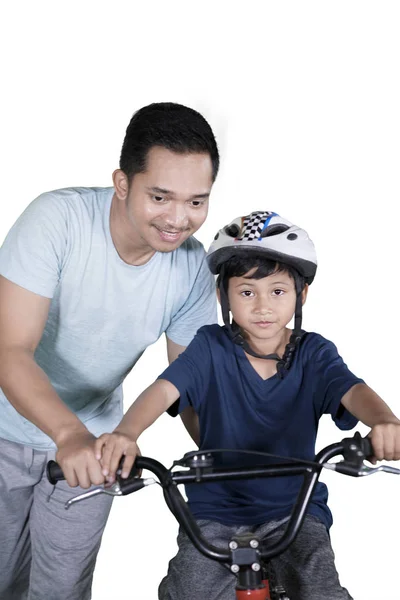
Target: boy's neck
pixel 268 368
pixel 275 345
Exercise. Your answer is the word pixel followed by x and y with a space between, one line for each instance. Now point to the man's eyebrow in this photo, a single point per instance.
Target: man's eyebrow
pixel 158 190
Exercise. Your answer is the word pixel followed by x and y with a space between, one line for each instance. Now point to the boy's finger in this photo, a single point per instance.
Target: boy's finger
pixel 377 443
pixel 129 461
pixel 108 451
pixel 98 446
pixel 115 459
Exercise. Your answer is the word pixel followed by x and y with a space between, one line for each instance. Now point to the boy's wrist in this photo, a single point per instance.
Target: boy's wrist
pixel 127 432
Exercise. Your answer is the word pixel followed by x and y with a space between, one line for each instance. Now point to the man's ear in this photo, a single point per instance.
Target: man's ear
pixel 304 294
pixel 121 184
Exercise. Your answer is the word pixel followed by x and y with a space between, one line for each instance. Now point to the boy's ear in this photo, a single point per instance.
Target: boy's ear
pixel 304 294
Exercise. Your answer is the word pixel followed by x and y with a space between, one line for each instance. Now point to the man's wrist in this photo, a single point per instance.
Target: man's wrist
pixel 69 430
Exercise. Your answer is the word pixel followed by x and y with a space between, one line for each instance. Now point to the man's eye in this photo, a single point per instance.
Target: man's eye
pixel 158 198
pixel 197 203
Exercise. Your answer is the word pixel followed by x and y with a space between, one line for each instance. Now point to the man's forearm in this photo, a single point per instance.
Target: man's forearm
pixel 367 406
pixel 30 392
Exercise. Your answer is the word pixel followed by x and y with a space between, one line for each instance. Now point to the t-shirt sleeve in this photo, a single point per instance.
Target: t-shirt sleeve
pixel 332 379
pixel 190 374
pixel 200 306
pixel 33 251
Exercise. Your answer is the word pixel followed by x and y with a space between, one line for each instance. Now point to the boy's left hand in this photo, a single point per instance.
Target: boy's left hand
pixel 110 448
pixel 385 439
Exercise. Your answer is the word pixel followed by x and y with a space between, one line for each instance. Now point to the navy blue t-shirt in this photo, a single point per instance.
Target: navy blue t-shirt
pixel 238 409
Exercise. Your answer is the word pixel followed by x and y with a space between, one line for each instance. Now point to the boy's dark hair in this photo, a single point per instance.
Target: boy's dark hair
pixel 237 266
pixel 168 125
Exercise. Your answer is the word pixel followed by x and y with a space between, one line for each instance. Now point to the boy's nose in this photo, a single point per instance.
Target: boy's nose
pixel 263 309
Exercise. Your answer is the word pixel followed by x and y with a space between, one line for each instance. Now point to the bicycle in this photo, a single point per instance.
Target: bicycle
pixel 247 556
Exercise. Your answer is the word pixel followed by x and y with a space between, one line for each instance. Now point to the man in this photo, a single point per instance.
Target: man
pixel 89 278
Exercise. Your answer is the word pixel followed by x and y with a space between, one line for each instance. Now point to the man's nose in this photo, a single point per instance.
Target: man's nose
pixel 177 217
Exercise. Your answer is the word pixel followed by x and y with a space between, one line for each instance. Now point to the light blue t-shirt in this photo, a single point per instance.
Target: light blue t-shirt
pixel 104 312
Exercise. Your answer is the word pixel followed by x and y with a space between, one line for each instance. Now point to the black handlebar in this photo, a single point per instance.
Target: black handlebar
pixel 354 450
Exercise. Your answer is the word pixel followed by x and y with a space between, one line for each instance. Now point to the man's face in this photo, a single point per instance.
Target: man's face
pixel 169 201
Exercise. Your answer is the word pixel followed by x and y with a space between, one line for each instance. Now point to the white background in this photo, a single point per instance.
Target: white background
pixel 304 99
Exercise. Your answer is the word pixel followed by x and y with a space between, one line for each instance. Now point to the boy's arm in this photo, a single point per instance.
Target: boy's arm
pixel 368 407
pixel 151 404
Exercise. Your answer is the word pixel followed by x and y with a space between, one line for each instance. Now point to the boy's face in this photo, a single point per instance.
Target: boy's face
pixel 262 307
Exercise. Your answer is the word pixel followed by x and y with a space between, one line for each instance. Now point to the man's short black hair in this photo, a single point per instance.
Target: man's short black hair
pixel 167 125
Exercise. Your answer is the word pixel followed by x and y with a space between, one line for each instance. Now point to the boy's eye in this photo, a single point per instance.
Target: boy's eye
pixel 247 293
pixel 278 292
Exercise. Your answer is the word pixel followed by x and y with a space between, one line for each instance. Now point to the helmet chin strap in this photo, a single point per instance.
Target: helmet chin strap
pixel 237 337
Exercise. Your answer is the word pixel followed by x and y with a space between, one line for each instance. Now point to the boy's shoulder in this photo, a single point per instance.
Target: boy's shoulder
pixel 313 344
pixel 213 332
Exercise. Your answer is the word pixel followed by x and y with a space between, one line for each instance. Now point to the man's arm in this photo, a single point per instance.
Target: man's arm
pixel 188 415
pixel 368 407
pixel 23 316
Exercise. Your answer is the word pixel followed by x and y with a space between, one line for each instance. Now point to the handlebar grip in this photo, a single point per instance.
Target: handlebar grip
pixel 366 447
pixel 54 472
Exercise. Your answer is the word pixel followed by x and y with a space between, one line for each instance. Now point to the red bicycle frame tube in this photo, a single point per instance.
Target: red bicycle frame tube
pixel 260 594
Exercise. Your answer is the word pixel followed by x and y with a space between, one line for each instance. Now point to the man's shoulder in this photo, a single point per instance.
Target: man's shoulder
pixel 74 194
pixel 67 205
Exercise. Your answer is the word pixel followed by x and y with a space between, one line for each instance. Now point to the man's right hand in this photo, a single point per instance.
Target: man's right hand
pixel 76 456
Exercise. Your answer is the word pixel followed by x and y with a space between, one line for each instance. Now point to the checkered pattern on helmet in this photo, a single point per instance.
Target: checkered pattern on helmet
pixel 253 225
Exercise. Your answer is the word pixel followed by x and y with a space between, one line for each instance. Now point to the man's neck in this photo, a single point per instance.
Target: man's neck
pixel 131 252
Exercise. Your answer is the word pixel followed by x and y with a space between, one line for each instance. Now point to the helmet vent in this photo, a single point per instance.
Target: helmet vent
pixel 292 236
pixel 232 230
pixel 274 230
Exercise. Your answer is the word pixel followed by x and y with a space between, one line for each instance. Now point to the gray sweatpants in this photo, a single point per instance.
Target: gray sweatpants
pixel 306 570
pixel 46 552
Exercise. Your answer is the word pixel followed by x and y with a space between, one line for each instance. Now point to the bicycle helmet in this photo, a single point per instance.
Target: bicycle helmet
pixel 264 233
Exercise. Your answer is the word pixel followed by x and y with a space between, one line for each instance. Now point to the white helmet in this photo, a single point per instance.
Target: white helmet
pixel 264 233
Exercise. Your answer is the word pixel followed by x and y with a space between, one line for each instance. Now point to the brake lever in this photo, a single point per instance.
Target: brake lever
pixel 113 490
pixel 119 488
pixel 362 471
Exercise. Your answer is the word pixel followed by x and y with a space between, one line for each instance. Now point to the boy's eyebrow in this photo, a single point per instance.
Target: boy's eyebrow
pixel 246 283
pixel 250 279
pixel 158 190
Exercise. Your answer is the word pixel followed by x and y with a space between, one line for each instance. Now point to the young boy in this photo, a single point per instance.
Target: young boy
pixel 257 385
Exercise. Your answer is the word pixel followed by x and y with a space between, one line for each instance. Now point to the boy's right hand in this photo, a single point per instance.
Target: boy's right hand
pixel 110 448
